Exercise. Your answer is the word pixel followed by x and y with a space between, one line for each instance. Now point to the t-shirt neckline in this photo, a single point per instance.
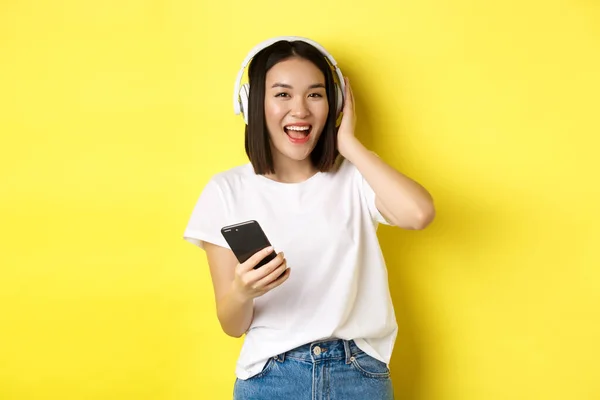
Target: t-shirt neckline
pixel 315 177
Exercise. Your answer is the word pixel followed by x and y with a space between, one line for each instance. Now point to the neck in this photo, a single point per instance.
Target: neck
pixel 292 171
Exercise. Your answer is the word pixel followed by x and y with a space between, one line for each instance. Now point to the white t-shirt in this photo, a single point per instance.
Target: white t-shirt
pixel 326 227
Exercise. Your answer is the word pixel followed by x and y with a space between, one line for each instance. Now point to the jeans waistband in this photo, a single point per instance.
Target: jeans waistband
pixel 330 349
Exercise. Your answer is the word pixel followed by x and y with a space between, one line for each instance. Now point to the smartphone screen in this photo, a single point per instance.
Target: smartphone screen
pixel 245 239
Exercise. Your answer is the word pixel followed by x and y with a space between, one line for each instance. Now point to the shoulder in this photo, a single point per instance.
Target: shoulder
pixel 343 169
pixel 222 190
pixel 233 176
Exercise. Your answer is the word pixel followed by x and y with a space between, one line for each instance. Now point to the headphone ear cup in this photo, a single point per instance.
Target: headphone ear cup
pixel 339 99
pixel 244 95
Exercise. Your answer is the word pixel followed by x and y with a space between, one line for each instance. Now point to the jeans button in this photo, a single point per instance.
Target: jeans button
pixel 317 350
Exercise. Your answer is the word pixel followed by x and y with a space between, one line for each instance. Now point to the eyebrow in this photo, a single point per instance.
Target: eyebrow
pixel 284 85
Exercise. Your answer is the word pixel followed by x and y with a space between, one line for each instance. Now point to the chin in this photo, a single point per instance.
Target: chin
pixel 293 151
pixel 296 156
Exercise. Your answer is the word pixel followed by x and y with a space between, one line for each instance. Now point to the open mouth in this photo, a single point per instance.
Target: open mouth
pixel 298 134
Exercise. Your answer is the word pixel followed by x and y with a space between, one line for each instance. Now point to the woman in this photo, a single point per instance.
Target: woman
pixel 318 319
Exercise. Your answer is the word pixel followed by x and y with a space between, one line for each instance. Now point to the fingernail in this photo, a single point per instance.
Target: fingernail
pixel 269 249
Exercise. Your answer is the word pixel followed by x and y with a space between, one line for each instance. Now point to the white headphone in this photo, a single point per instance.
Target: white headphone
pixel 240 94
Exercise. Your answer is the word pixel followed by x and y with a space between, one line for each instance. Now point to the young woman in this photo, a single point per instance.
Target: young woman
pixel 318 319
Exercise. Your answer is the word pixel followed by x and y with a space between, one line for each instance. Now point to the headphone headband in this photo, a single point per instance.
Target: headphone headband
pixel 269 42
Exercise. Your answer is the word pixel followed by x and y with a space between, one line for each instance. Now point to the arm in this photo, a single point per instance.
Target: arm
pixel 401 200
pixel 236 285
pixel 234 312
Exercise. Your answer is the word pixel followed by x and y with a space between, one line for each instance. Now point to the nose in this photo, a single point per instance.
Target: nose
pixel 300 108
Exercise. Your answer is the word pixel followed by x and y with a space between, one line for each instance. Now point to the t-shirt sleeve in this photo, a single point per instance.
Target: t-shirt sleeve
pixel 207 217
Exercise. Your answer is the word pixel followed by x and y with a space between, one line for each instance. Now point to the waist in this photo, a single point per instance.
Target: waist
pixel 329 349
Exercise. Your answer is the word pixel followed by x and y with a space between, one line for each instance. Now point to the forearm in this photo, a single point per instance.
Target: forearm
pixel 235 313
pixel 404 202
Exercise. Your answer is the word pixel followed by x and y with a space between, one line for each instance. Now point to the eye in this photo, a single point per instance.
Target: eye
pixel 282 94
pixel 315 95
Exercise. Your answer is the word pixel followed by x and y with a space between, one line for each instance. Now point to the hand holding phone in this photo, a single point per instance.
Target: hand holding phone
pixel 260 269
pixel 250 283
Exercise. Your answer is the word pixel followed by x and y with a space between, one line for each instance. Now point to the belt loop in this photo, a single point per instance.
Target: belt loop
pixel 280 357
pixel 347 351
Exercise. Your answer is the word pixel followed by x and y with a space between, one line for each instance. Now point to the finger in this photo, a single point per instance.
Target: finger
pixel 349 94
pixel 347 97
pixel 272 276
pixel 253 261
pixel 258 274
pixel 348 89
pixel 282 278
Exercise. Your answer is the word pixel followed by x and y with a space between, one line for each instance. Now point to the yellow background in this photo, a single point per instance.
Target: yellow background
pixel 114 114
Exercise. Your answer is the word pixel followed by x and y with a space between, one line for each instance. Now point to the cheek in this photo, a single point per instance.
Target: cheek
pixel 322 111
pixel 273 116
pixel 273 110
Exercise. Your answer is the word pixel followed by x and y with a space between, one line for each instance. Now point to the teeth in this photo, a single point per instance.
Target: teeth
pixel 298 128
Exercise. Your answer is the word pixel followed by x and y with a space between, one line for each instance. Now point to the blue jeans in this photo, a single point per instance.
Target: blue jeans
pixel 326 370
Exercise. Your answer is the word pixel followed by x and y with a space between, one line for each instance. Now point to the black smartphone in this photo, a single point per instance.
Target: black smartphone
pixel 245 239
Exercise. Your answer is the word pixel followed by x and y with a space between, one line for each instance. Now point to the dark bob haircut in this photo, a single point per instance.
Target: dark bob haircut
pixel 257 140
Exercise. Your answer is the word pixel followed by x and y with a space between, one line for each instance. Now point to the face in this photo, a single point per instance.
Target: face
pixel 296 107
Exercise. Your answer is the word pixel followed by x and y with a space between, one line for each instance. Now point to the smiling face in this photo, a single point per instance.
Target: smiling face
pixel 296 108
